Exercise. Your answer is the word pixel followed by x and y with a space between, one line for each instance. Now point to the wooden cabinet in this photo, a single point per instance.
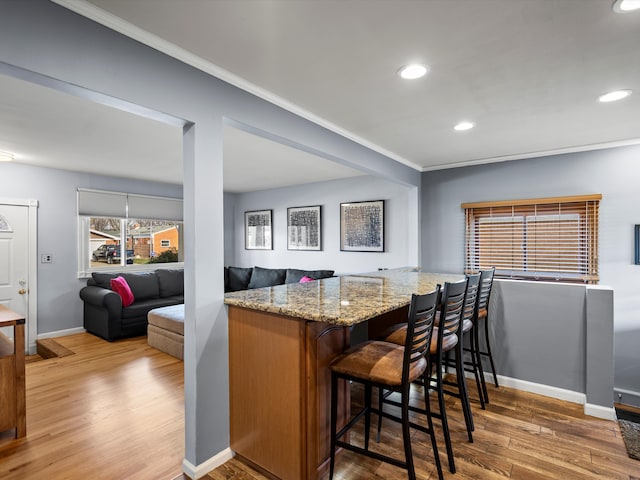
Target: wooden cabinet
pixel 279 390
pixel 12 382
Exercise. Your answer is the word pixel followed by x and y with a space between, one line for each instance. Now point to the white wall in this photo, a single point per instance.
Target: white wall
pixel 229 227
pixel 59 304
pixel 399 226
pixel 612 172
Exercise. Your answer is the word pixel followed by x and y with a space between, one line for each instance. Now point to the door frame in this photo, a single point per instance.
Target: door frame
pixel 31 331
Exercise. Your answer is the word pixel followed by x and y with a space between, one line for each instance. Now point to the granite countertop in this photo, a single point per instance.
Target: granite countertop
pixel 345 300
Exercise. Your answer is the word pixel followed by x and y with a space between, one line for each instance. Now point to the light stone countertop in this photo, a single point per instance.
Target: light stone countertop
pixel 345 300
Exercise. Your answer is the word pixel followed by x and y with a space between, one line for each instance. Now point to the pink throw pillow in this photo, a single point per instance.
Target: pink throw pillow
pixel 306 279
pixel 121 287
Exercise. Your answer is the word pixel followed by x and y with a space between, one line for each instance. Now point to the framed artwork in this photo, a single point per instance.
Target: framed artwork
pixel 637 244
pixel 258 230
pixel 304 228
pixel 362 226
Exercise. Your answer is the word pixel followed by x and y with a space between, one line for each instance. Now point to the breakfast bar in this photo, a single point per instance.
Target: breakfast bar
pixel 281 341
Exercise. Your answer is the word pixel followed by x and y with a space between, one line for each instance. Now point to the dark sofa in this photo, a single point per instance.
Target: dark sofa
pixel 104 314
pixel 239 278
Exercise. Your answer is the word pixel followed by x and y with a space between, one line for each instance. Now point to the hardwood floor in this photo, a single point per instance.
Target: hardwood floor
pixel 519 436
pixel 110 411
pixel 115 411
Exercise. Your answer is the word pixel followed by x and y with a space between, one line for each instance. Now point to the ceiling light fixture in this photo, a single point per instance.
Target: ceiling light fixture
pixel 6 157
pixel 413 71
pixel 613 96
pixel 626 6
pixel 462 126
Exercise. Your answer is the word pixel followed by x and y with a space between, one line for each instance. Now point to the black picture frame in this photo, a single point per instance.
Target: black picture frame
pixel 362 226
pixel 258 230
pixel 304 228
pixel 637 244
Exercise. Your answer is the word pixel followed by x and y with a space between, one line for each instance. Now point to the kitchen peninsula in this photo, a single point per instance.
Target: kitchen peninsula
pixel 281 341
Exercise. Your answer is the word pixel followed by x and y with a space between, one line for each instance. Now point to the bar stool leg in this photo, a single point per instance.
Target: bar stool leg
pixel 443 419
pixel 476 363
pixel 462 391
pixel 334 419
pixel 406 433
pixel 493 367
pixel 367 415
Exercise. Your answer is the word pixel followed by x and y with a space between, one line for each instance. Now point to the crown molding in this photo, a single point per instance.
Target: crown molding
pixel 542 153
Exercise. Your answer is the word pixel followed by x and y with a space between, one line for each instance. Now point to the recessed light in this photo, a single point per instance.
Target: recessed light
pixel 625 6
pixel 615 95
pixel 413 71
pixel 464 126
pixel 6 157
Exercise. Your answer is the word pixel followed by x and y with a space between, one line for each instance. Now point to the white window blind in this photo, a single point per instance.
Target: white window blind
pixel 155 208
pixel 537 239
pixel 102 204
pixel 99 203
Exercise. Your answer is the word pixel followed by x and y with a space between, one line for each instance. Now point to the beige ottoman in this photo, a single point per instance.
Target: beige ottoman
pixel 166 330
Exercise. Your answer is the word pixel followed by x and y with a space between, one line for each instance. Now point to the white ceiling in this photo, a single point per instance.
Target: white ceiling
pixel 527 72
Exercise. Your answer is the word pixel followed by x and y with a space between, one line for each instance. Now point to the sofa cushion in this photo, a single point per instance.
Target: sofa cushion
pixel 141 308
pixel 121 287
pixel 294 275
pixel 170 282
pixel 267 277
pixel 175 298
pixel 239 278
pixel 101 279
pixel 144 285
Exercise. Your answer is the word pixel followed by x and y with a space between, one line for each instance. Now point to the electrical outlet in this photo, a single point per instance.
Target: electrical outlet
pixel 46 258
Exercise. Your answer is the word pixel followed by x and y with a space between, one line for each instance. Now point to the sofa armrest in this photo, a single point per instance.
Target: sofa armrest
pixel 103 297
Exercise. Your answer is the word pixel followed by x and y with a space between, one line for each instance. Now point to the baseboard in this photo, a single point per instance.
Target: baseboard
pixel 61 333
pixel 546 390
pixel 196 472
pixel 607 413
pixel 599 411
pixel 627 397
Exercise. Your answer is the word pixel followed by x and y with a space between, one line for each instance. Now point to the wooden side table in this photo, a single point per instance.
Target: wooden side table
pixel 12 382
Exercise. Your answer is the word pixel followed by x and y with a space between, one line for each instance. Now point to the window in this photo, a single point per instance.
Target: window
pixel 540 239
pixel 127 230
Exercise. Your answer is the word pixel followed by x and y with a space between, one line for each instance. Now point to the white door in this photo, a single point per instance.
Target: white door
pixel 14 260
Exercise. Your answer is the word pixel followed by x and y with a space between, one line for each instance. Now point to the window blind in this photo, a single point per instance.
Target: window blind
pixel 100 203
pixel 537 239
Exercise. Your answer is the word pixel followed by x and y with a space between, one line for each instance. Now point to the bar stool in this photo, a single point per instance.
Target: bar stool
pixel 469 330
pixel 450 324
pixel 392 368
pixel 486 284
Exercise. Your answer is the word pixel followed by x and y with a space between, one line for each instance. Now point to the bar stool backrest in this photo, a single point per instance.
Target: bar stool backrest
pixel 422 315
pixel 472 297
pixel 486 282
pixel 451 310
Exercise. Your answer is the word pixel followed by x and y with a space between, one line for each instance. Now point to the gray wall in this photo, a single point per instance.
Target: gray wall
pixel 59 306
pixel 47 44
pixel 556 336
pixel 613 172
pixel 400 250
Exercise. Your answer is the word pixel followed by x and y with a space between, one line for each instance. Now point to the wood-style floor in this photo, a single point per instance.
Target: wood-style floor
pixel 519 436
pixel 115 411
pixel 111 411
